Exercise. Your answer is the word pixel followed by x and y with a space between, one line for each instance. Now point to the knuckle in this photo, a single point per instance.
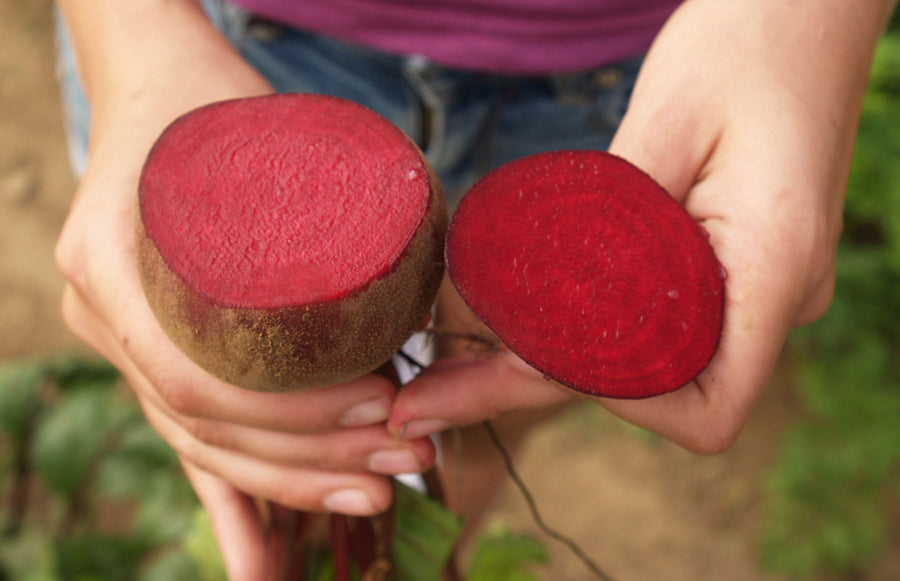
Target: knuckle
pixel 303 496
pixel 183 444
pixel 711 444
pixel 816 307
pixel 206 432
pixel 370 387
pixel 317 458
pixel 179 397
pixel 714 438
pixel 380 503
pixel 335 456
pixel 73 313
pixel 69 258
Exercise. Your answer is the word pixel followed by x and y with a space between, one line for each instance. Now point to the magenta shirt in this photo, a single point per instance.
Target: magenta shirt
pixel 502 36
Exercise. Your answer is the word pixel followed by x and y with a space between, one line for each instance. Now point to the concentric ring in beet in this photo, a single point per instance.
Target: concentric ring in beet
pixel 591 272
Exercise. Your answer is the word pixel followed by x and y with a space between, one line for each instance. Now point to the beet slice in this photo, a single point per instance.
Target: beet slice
pixel 590 271
pixel 289 241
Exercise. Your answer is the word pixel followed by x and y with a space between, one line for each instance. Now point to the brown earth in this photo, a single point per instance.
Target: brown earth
pixel 644 509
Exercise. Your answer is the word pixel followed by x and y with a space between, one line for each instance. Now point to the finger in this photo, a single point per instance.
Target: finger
pixel 351 450
pixel 369 448
pixel 317 490
pixel 109 291
pixel 191 391
pixel 666 139
pixel 186 390
pixel 470 389
pixel 235 522
pixel 758 228
pixel 706 416
pixel 360 494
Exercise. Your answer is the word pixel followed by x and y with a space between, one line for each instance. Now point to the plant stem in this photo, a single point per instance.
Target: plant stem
pixel 532 506
pixel 286 531
pixel 19 494
pixel 79 504
pixel 340 547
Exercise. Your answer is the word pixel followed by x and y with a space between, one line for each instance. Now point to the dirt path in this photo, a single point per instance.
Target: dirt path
pixel 643 508
pixel 35 182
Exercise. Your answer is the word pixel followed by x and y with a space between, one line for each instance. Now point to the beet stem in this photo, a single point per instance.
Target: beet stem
pixel 340 546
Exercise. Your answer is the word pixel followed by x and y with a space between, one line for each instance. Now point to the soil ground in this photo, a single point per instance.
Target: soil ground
pixel 644 509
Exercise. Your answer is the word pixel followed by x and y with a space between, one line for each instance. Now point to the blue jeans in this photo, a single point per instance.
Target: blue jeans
pixel 466 123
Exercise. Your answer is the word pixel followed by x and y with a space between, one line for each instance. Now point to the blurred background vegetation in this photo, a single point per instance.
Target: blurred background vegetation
pixel 836 487
pixel 89 492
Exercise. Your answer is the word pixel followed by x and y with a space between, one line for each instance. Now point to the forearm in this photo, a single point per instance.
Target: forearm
pixel 144 62
pixel 807 59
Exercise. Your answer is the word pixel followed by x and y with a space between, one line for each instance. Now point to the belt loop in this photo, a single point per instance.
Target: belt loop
pixel 607 78
pixel 420 74
pixel 574 88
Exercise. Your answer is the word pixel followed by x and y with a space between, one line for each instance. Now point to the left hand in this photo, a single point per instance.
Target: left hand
pixel 746 113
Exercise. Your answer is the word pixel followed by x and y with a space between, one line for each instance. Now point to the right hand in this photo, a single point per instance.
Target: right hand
pixel 315 451
pixel 322 450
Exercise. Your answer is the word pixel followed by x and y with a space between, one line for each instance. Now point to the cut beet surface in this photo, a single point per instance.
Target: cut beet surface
pixel 589 271
pixel 289 241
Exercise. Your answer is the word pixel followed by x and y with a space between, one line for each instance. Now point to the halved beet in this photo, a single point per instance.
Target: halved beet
pixel 289 241
pixel 589 271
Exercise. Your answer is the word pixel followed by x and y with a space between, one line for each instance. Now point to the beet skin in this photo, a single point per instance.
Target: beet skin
pixel 289 241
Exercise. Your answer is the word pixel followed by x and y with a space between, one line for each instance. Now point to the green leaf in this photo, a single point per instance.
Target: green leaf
pixel 424 535
pixel 74 371
pixel 73 435
pixel 29 556
pixel 20 396
pixel 141 463
pixel 319 565
pixel 201 547
pixel 96 556
pixel 171 566
pixel 166 514
pixel 503 556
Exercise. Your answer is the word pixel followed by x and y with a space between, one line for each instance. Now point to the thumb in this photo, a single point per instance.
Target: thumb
pixel 469 389
pixel 666 137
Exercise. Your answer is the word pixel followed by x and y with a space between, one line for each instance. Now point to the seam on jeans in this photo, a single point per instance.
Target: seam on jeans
pixel 433 114
pixel 485 147
pixel 76 109
pixel 231 19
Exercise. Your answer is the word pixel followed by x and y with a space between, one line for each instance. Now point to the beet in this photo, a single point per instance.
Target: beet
pixel 289 241
pixel 590 271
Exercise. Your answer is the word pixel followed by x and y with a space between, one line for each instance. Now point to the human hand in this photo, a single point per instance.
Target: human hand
pixel 320 450
pixel 746 114
pixel 313 451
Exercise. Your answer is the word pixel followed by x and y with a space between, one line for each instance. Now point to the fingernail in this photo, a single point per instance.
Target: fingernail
pixel 393 462
pixel 422 428
pixel 367 413
pixel 349 501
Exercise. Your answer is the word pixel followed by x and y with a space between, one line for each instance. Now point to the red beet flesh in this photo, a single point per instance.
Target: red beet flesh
pixel 271 200
pixel 589 271
pixel 289 241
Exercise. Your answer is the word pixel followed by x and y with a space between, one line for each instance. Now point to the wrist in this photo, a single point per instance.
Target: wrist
pixel 144 63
